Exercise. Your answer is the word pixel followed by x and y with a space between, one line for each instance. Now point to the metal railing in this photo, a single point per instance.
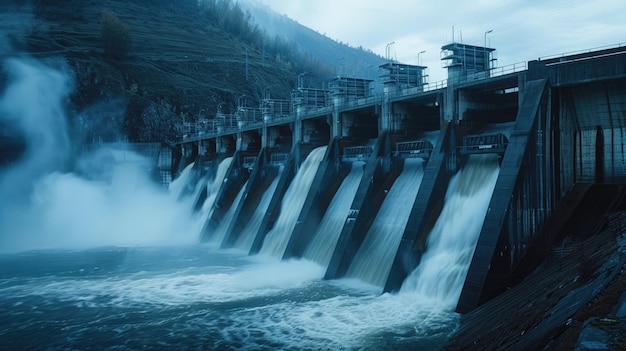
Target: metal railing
pixel 582 52
pixel 278 158
pixel 247 116
pixel 356 153
pixel 414 149
pixel 477 144
pixel 495 72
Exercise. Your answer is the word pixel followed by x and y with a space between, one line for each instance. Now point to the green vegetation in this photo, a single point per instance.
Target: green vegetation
pixel 115 35
pixel 187 57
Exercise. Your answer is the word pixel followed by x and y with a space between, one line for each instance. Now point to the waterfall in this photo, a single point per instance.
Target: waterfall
pixel 178 185
pixel 321 247
pixel 373 260
pixel 277 239
pixel 220 231
pixel 214 188
pixel 246 238
pixel 451 243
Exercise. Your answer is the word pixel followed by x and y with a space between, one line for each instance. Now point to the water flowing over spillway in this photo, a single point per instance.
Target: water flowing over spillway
pixel 214 187
pixel 452 241
pixel 375 256
pixel 246 237
pixel 321 247
pixel 178 185
pixel 87 265
pixel 276 240
pixel 220 231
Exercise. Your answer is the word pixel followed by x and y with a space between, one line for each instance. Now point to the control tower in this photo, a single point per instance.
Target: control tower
pixel 463 60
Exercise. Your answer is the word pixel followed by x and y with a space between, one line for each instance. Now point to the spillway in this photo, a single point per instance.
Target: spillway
pixel 220 231
pixel 452 240
pixel 321 247
pixel 375 256
pixel 276 240
pixel 177 186
pixel 214 187
pixel 246 238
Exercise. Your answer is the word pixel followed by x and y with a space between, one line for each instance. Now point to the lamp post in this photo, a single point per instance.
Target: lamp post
pixel 485 36
pixel 418 56
pixel 486 52
pixel 301 80
pixel 387 49
pixel 266 92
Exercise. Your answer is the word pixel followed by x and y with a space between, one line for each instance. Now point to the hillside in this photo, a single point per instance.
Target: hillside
pixel 180 66
pixel 347 61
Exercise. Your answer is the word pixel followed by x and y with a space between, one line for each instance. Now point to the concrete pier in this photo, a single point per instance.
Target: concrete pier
pixel 567 114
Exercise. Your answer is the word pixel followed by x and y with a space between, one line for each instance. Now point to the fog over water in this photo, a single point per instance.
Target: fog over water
pixel 45 206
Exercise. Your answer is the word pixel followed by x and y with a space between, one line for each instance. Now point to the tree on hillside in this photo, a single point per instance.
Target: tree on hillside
pixel 115 35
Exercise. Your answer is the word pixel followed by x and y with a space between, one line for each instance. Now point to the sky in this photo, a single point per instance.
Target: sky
pixel 521 30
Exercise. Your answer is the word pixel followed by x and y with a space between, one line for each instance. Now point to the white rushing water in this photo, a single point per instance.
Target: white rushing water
pixel 323 243
pixel 451 243
pixel 220 231
pixel 374 258
pixel 88 264
pixel 204 298
pixel 246 237
pixel 276 240
pixel 178 185
pixel 214 187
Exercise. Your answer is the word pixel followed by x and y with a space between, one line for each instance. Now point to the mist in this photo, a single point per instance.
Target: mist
pixel 110 202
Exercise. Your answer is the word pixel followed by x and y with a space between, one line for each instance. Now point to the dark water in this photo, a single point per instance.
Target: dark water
pixel 101 259
pixel 199 297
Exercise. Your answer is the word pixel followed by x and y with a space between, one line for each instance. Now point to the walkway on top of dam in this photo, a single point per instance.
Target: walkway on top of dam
pixel 401 83
pixel 354 94
pixel 557 122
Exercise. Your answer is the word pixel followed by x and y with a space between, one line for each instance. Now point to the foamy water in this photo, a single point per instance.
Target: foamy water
pixel 373 261
pixel 276 240
pixel 324 241
pixel 246 237
pixel 91 263
pixel 225 300
pixel 452 241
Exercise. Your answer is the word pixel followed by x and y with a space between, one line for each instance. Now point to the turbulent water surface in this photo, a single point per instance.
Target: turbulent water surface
pixel 98 258
pixel 199 297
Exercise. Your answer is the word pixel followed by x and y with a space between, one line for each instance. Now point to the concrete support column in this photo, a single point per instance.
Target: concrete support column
pixel 264 136
pixel 271 136
pixel 400 112
pixel 297 131
pixel 347 120
pixel 386 113
pixel 218 145
pixel 463 103
pixel 335 124
pixel 240 141
pixel 185 150
pixel 308 128
pixel 449 104
pixel 202 147
pixel 297 124
pixel 335 128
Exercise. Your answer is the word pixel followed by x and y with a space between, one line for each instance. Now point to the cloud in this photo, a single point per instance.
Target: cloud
pixel 522 30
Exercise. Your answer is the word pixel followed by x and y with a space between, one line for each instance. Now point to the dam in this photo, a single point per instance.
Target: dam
pixel 382 181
